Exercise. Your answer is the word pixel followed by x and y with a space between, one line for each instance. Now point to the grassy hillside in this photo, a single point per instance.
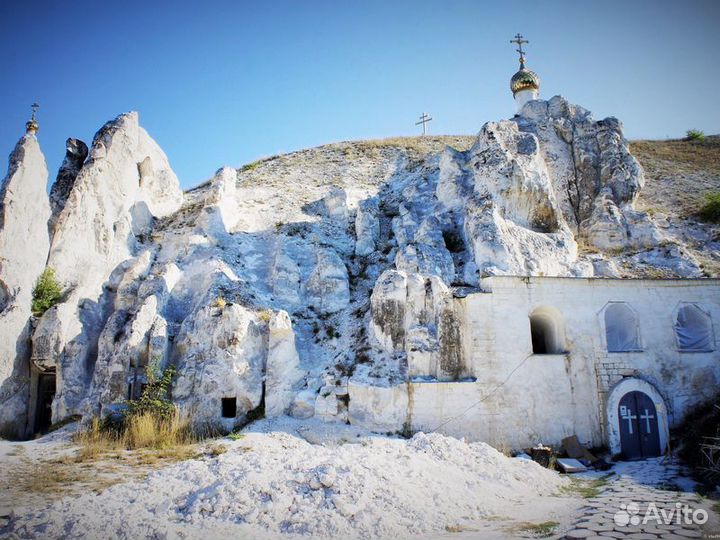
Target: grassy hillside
pixel 679 174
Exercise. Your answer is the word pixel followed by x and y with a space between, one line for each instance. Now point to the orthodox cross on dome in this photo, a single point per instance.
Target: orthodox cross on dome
pixel 519 40
pixel 31 126
pixel 525 84
pixel 424 119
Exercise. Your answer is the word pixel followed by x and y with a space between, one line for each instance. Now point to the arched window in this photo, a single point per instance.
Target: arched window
pixel 621 328
pixel 546 331
pixel 693 329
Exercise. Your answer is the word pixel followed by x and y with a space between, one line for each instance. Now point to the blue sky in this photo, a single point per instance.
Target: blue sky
pixel 225 83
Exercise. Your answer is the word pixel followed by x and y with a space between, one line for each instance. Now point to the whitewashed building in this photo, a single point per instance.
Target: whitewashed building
pixel 549 357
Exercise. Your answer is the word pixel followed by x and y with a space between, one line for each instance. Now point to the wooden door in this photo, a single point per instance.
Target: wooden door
pixel 639 433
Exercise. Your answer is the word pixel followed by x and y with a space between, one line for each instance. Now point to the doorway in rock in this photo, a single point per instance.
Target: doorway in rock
pixel 45 396
pixel 639 431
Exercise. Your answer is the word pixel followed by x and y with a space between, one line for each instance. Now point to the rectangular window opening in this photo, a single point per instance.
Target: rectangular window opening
pixel 229 407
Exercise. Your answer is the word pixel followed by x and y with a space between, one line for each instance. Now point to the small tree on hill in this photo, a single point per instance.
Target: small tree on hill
pixel 46 293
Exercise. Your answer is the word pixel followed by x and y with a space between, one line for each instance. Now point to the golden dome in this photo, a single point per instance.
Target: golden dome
pixel 524 79
pixel 31 126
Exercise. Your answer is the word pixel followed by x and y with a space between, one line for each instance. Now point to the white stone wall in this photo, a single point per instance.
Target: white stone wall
pixel 523 96
pixel 520 398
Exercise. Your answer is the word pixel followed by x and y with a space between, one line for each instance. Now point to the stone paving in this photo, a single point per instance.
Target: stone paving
pixel 637 501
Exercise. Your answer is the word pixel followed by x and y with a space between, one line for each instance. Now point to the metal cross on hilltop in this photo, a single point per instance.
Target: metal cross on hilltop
pixel 519 40
pixel 424 119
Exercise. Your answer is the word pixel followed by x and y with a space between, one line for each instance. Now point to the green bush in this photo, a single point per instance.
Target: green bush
pixel 46 293
pixel 155 399
pixel 710 211
pixel 695 135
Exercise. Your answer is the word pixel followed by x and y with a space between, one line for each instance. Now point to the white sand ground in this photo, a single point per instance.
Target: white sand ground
pixel 291 479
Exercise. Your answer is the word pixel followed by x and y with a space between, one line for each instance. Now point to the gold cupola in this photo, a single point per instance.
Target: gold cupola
pixel 524 79
pixel 31 126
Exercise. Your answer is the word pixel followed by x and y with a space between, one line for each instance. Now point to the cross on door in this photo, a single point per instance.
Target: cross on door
pixel 647 417
pixel 635 411
pixel 627 415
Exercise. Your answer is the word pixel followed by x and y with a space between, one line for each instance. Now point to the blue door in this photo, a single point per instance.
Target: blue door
pixel 639 433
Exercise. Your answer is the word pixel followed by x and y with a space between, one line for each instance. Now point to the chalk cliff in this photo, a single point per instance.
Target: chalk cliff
pixel 274 284
pixel 24 242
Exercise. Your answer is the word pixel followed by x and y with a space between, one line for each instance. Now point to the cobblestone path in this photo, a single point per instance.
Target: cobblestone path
pixel 645 500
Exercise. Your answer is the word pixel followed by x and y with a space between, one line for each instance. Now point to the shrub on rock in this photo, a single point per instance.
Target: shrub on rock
pixel 46 293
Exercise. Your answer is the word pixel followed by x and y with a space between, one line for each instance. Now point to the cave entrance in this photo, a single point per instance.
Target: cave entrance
pixel 43 407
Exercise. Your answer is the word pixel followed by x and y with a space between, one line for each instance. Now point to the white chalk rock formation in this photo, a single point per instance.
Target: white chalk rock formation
pixel 221 209
pixel 282 373
pixel 222 351
pixel 75 153
pixel 497 212
pixel 303 405
pixel 594 175
pixel 327 288
pixel 123 188
pixel 301 279
pixel 413 315
pixel 367 226
pixel 24 213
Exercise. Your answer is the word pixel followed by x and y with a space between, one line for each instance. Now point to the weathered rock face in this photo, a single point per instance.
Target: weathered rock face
pixel 594 175
pixel 512 222
pixel 283 376
pixel 221 210
pixel 24 211
pixel 75 153
pixel 295 279
pixel 222 352
pixel 124 187
pixel 414 316
pixel 327 288
pixel 367 226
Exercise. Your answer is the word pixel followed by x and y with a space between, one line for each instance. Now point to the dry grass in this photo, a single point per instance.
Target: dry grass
pixel 679 174
pixel 141 431
pixel 218 450
pixel 687 156
pixel 428 143
pixel 103 458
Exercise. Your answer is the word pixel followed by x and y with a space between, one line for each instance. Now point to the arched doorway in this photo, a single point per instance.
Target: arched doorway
pixel 639 433
pixel 636 395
